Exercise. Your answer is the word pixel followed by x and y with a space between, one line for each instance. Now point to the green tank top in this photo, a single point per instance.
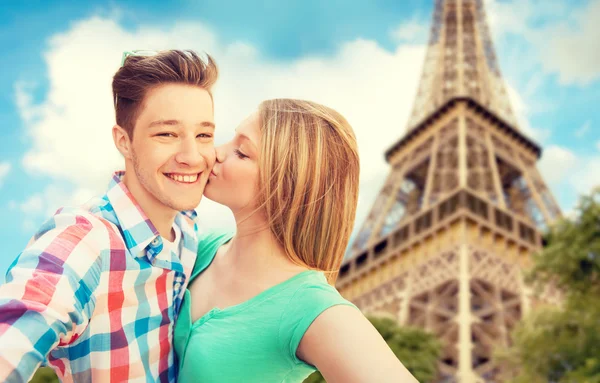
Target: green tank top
pixel 256 340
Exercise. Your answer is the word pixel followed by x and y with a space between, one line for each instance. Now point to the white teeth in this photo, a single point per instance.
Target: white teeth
pixel 184 178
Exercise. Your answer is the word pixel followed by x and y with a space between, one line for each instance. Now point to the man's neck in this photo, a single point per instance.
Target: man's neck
pixel 162 221
pixel 161 216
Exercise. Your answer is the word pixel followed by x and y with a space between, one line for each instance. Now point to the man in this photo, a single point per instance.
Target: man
pixel 97 290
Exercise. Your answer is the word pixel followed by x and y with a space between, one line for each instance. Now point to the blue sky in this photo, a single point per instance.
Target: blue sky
pixel 364 60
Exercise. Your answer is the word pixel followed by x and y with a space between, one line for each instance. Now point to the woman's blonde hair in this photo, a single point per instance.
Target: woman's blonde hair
pixel 309 174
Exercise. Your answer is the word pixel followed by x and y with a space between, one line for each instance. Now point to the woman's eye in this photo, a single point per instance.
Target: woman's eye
pixel 204 135
pixel 166 134
pixel 240 154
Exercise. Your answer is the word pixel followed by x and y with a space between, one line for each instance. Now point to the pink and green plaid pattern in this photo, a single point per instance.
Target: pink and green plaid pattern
pixel 94 296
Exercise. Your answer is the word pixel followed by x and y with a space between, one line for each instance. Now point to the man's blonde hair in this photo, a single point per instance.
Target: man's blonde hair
pixel 309 175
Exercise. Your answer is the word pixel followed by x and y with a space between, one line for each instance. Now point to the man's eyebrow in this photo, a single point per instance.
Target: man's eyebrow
pixel 161 122
pixel 207 124
pixel 164 122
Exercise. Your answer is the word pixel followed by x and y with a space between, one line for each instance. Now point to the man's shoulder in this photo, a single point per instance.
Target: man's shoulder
pixel 92 223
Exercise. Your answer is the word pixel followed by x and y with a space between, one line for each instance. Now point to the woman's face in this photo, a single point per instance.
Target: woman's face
pixel 233 181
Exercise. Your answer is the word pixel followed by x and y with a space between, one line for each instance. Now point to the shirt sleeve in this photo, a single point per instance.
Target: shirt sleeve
pixel 306 305
pixel 47 299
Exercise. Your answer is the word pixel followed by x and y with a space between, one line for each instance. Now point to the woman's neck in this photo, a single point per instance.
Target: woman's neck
pixel 255 251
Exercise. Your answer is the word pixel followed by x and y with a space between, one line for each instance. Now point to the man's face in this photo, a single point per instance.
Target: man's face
pixel 172 151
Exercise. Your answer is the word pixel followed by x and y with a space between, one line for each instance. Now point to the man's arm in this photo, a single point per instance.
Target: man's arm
pixel 46 300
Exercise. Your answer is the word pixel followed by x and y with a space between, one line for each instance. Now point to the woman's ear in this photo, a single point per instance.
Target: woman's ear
pixel 122 141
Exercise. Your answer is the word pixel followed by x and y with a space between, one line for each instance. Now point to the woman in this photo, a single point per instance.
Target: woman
pixel 261 306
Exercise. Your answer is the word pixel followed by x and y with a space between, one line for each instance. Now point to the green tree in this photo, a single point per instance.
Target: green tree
pixel 44 375
pixel 562 344
pixel 418 350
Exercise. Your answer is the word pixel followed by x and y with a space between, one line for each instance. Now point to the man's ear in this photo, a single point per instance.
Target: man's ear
pixel 122 141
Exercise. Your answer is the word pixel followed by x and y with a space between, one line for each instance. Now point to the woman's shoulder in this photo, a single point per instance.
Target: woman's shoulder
pixel 213 237
pixel 311 298
pixel 208 244
pixel 315 291
pixel 210 241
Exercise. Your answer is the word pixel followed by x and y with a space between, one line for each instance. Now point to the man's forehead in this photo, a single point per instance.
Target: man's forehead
pixel 177 105
pixel 178 97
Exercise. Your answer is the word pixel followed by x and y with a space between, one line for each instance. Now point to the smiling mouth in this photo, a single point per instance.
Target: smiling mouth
pixel 183 178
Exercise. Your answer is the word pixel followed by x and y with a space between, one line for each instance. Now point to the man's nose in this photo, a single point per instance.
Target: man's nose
pixel 220 153
pixel 189 154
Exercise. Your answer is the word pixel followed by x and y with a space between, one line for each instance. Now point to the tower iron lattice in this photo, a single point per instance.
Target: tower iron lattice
pixel 463 207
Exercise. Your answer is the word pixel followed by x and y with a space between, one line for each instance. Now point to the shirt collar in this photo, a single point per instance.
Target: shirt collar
pixel 138 231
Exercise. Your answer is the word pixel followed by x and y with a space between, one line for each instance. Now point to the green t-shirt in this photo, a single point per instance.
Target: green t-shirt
pixel 256 340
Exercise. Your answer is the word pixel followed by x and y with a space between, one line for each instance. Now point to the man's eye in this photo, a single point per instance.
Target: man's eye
pixel 204 135
pixel 166 134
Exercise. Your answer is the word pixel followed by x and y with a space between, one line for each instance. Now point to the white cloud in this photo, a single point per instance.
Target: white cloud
pixel 4 170
pixel 70 129
pixel 571 49
pixel 29 225
pixel 586 177
pixel 413 31
pixel 33 205
pixel 563 170
pixel 517 16
pixel 542 41
pixel 579 133
pixel 372 87
pixel 521 110
pixel 57 196
pixel 562 44
pixel 40 206
pixel 24 101
pixel 556 163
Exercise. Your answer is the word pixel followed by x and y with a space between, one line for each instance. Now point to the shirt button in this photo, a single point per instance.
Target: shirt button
pixel 177 286
pixel 155 241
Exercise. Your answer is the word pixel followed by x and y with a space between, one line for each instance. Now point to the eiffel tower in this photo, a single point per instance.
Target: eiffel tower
pixel 462 210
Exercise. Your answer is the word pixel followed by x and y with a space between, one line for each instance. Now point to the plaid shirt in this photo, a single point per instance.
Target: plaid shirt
pixel 94 296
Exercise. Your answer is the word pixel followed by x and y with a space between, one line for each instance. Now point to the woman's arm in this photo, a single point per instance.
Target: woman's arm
pixel 345 347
